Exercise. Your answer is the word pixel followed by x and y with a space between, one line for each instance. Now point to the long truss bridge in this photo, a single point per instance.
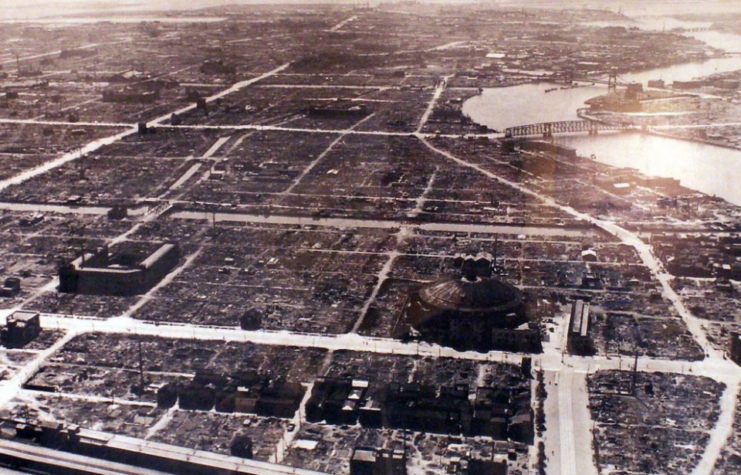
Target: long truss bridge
pixel 547 129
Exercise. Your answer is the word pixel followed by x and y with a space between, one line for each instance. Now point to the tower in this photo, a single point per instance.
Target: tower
pixel 612 81
pixel 568 76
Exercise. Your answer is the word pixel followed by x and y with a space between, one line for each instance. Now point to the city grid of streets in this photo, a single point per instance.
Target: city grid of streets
pixel 568 437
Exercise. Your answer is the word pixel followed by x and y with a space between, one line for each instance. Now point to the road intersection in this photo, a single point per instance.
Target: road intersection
pixel 568 438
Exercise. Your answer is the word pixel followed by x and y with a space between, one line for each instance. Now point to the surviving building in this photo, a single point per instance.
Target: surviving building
pixel 370 461
pixel 11 287
pixel 103 273
pixel 579 338
pixel 243 392
pixel 22 328
pixel 340 110
pixel 735 349
pixel 217 67
pixel 500 413
pixel 475 312
pixel 131 96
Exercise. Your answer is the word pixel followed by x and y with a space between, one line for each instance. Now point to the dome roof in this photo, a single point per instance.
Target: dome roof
pixel 481 295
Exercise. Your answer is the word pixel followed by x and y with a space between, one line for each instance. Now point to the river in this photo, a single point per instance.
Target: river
pixel 712 170
pixel 703 167
pixel 503 107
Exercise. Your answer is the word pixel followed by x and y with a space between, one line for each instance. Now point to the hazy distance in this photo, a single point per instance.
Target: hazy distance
pixel 25 9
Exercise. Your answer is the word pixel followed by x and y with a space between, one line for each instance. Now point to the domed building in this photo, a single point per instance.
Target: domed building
pixel 479 296
pixel 474 312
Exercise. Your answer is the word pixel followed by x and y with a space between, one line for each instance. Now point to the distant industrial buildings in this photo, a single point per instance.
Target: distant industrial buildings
pixel 547 147
pixel 683 85
pixel 103 273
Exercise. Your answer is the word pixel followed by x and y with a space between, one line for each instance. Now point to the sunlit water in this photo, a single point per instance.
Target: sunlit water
pixel 500 108
pixel 712 170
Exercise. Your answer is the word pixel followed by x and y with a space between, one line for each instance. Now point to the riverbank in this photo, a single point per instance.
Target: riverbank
pixel 692 139
pixel 659 133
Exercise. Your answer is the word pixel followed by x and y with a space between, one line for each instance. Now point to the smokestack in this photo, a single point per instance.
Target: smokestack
pixel 635 373
pixel 141 369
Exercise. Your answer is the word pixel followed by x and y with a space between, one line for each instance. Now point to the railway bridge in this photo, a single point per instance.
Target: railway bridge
pixel 681 30
pixel 547 129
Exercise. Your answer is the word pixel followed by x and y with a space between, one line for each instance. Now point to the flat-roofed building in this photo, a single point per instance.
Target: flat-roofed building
pixel 22 328
pixel 736 347
pixel 579 336
pixel 101 273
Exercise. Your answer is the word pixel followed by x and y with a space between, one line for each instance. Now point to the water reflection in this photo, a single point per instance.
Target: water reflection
pixel 500 108
pixel 687 71
pixel 712 170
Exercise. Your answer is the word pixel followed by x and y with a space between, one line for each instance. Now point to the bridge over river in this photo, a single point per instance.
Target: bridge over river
pixel 547 129
pixel 681 30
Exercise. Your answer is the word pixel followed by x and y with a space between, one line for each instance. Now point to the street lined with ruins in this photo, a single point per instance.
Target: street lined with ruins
pixel 271 242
